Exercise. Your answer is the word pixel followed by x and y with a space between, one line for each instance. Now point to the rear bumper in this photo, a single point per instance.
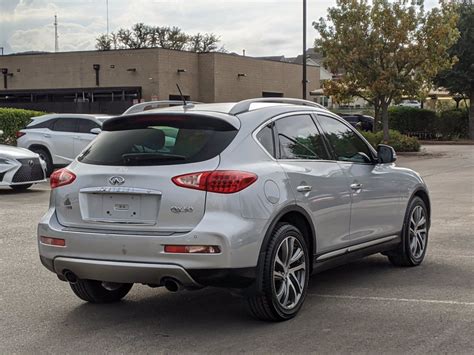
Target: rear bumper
pixel 122 272
pixel 146 273
pixel 139 258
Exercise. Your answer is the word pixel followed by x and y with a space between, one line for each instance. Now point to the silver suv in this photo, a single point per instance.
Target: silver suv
pixel 253 196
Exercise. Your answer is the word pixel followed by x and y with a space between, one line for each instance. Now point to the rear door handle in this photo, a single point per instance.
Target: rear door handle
pixel 356 186
pixel 47 135
pixel 304 188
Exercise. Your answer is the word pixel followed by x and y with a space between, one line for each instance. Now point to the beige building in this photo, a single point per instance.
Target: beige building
pixel 110 81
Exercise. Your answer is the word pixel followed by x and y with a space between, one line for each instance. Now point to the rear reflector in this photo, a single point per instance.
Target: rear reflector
pixel 57 242
pixel 61 177
pixel 219 181
pixel 192 249
pixel 19 134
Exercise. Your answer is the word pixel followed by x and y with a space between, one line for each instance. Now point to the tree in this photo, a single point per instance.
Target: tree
pixel 145 36
pixel 459 80
pixel 383 50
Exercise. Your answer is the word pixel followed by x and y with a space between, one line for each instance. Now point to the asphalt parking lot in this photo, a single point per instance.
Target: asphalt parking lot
pixel 365 307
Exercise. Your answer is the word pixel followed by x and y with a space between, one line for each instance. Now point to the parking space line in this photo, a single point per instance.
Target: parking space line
pixel 392 299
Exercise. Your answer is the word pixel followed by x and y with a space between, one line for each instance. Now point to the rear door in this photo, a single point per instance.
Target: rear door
pixel 375 192
pixel 84 135
pixel 61 139
pixel 318 183
pixel 125 176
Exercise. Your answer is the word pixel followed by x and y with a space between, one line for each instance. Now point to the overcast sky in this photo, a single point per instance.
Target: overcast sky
pixel 262 27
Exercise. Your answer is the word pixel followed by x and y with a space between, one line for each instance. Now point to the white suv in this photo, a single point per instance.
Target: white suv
pixel 59 138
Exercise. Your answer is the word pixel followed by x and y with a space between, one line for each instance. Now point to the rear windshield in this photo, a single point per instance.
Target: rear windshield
pixel 159 141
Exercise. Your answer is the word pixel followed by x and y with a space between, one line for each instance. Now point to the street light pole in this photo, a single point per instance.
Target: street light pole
pixel 304 50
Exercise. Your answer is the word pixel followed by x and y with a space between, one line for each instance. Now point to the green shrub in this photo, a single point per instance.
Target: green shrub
pixel 426 124
pixel 410 119
pixel 453 124
pixel 12 120
pixel 399 142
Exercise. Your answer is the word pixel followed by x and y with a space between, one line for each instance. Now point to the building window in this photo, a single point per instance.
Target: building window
pixel 179 98
pixel 271 94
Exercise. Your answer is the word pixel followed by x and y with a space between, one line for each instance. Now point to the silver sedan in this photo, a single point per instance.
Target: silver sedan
pixel 20 168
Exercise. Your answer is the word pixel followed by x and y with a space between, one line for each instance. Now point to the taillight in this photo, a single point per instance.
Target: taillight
pixel 220 181
pixel 19 134
pixel 61 177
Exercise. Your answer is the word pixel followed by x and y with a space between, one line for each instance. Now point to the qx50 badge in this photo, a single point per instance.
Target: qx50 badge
pixel 116 180
pixel 176 209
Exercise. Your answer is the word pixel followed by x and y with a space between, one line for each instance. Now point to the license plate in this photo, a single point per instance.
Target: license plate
pixel 120 208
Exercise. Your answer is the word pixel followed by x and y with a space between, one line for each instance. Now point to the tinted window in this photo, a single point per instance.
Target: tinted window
pixel 175 140
pixel 86 125
pixel 347 145
pixel 265 137
pixel 65 125
pixel 45 124
pixel 299 138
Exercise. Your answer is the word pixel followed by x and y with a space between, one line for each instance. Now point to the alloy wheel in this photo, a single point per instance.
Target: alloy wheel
pixel 417 232
pixel 289 272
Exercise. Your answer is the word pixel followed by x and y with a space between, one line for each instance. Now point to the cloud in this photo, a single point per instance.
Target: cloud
pixel 264 27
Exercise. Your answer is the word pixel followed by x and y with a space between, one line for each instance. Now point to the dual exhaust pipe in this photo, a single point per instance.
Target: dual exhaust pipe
pixel 169 283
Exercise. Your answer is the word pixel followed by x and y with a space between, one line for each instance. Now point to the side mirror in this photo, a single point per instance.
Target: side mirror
pixel 386 154
pixel 96 130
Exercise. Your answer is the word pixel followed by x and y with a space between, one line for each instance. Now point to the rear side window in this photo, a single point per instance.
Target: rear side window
pixel 86 125
pixel 265 137
pixel 300 139
pixel 159 140
pixel 45 124
pixel 65 124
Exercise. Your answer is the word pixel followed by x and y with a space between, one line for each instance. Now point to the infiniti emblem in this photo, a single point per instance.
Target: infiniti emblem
pixel 116 180
pixel 31 163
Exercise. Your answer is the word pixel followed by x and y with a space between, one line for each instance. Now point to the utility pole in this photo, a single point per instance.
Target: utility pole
pixel 107 5
pixel 304 50
pixel 56 44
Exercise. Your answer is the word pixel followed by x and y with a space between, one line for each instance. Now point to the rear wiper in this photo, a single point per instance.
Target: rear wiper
pixel 140 157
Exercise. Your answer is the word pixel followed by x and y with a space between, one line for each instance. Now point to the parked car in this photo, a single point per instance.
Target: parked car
pixel 59 138
pixel 254 195
pixel 362 122
pixel 410 103
pixel 20 168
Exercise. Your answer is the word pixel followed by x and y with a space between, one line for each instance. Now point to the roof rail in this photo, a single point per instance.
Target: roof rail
pixel 148 105
pixel 244 106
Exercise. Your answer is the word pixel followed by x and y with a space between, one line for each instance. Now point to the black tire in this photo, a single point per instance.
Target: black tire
pixel 92 291
pixel 404 255
pixel 263 304
pixel 21 187
pixel 44 154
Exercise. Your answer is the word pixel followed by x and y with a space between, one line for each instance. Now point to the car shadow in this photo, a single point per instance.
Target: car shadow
pixel 212 307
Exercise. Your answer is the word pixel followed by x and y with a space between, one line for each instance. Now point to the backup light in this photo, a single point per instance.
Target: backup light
pixel 57 242
pixel 192 249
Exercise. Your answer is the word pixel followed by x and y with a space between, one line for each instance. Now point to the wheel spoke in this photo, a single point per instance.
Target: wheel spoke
pixel 278 275
pixel 296 256
pixel 421 222
pixel 291 244
pixel 287 293
pixel 297 268
pixel 279 262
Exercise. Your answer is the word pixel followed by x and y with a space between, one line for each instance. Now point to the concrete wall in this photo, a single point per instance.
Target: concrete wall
pixel 209 77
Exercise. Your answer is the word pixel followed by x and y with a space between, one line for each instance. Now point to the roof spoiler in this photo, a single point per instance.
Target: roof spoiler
pixel 150 105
